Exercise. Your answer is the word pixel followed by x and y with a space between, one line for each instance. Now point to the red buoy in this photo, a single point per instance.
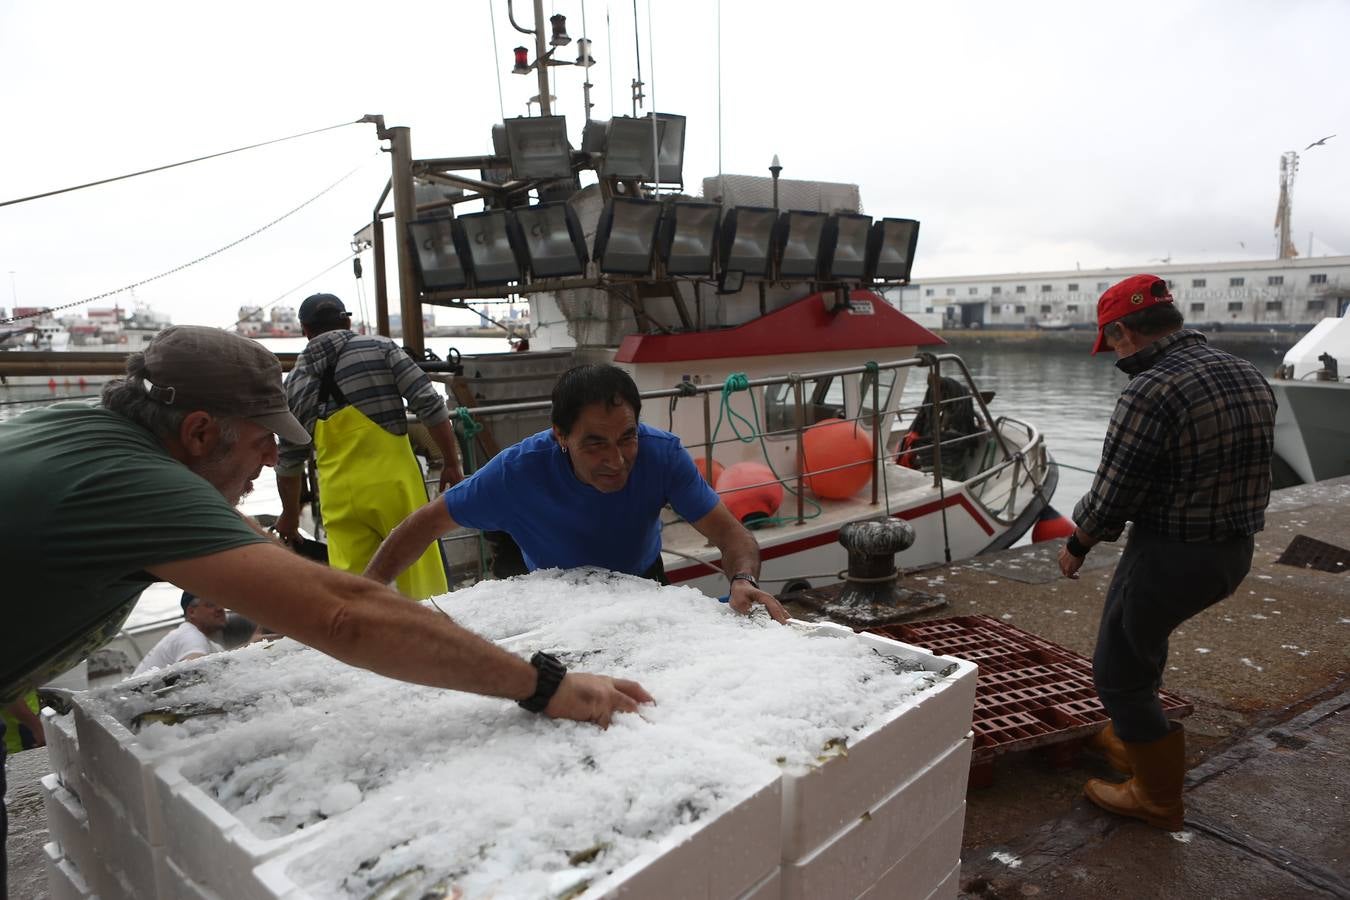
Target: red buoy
pixel 750 491
pixel 51 384
pixel 832 444
pixel 1050 526
pixel 717 468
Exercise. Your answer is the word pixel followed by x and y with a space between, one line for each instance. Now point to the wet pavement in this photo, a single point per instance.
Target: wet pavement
pixel 1268 671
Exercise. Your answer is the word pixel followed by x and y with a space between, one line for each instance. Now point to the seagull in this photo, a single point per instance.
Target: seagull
pixel 1318 143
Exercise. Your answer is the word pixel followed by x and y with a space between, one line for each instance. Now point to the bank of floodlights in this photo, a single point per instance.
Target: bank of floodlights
pixel 630 150
pixel 538 147
pixel 890 249
pixel 554 243
pixel 625 236
pixel 747 242
pixel 493 247
pixel 670 155
pixel 801 235
pixel 845 250
pixel 439 242
pixel 688 238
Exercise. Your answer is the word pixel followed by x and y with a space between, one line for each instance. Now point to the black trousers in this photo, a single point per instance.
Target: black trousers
pixel 1159 584
pixel 4 822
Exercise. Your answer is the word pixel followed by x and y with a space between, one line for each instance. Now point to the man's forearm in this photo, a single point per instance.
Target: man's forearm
pixel 288 487
pixel 740 554
pixel 444 436
pixel 408 541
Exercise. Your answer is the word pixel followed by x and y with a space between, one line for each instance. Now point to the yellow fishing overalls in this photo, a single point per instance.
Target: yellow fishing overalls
pixel 369 482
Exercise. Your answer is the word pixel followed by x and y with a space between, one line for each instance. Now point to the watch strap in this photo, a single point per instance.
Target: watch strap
pixel 745 576
pixel 550 674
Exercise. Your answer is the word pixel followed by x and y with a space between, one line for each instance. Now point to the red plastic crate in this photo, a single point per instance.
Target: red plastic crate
pixel 1029 692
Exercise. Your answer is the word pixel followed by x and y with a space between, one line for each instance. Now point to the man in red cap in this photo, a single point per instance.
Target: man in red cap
pixel 1187 460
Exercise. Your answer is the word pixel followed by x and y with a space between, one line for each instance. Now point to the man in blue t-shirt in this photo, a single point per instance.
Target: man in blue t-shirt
pixel 588 492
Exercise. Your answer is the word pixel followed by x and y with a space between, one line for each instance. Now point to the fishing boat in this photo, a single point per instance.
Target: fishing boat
pixel 1312 423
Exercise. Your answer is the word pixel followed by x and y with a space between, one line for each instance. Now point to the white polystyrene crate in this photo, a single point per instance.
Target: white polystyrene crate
pixel 819 802
pixel 725 857
pixel 927 869
pixel 63 748
pixel 124 853
pixel 210 845
pixel 863 852
pixel 770 887
pixel 115 762
pixel 64 881
pixel 174 884
pixel 68 824
pixel 950 886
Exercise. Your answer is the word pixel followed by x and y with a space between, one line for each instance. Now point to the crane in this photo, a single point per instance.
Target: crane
pixel 1283 227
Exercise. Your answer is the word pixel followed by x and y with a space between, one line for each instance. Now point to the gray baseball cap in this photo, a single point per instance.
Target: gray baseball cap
pixel 195 367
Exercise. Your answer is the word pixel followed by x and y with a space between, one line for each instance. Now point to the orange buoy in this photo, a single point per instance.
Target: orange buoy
pixel 750 491
pixel 1050 526
pixel 845 449
pixel 717 468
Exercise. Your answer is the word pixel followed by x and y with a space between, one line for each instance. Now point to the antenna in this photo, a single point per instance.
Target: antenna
pixel 638 96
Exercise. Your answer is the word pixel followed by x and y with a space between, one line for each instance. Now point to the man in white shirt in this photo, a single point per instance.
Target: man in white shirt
pixel 204 621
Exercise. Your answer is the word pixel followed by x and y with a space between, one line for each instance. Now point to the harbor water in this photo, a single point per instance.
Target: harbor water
pixel 1068 395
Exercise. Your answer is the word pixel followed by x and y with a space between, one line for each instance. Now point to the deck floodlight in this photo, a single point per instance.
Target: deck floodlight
pixel 538 147
pixel 593 135
pixel 434 200
pixel 801 235
pixel 670 156
pixel 439 242
pixel 499 145
pixel 845 250
pixel 553 240
pixel 492 244
pixel 559 23
pixel 890 249
pixel 625 236
pixel 522 56
pixel 584 57
pixel 628 148
pixel 747 240
pixel 688 241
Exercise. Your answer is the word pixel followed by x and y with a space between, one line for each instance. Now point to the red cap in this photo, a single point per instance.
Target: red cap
pixel 1131 295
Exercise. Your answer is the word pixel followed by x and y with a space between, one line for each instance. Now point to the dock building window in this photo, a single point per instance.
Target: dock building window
pixel 1235 306
pixel 1046 309
pixel 973 291
pixel 1045 289
pixel 1197 307
pixel 1021 289
pixel 1274 305
pixel 1102 285
pixel 996 290
pixel 1171 284
pixel 1239 281
pixel 1317 305
pixel 1275 280
pixel 1020 309
pixel 1317 279
pixel 928 292
pixel 1073 287
pixel 1197 282
pixel 1072 307
pixel 951 292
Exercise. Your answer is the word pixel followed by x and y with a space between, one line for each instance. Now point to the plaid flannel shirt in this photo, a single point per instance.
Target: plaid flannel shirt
pixel 375 376
pixel 1187 454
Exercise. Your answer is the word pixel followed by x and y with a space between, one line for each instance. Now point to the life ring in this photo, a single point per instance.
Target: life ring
pixel 121 339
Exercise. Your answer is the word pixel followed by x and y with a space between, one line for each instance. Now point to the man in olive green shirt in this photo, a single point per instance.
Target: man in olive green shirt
pixel 98 503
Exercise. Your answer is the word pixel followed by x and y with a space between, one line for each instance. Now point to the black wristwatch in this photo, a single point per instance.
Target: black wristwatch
pixel 550 675
pixel 745 576
pixel 1076 547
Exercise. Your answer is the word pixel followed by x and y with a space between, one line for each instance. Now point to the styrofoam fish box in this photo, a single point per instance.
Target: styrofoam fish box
pixel 927 869
pixel 950 886
pixel 125 854
pixel 64 880
pixel 863 852
pixel 730 856
pixel 174 884
pixel 68 824
pixel 210 845
pixel 116 763
pixel 63 748
pixel 820 802
pixel 769 888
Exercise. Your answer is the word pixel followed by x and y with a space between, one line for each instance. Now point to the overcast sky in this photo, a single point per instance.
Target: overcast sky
pixel 1025 137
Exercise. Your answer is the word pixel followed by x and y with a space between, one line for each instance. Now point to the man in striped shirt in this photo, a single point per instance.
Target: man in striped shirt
pixel 348 391
pixel 1187 460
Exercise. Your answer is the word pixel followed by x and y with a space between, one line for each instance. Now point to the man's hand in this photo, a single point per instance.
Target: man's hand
pixel 1068 563
pixel 744 597
pixel 450 475
pixel 287 527
pixel 594 698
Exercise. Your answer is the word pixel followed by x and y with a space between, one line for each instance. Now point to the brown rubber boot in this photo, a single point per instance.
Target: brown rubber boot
pixel 1106 743
pixel 1154 793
